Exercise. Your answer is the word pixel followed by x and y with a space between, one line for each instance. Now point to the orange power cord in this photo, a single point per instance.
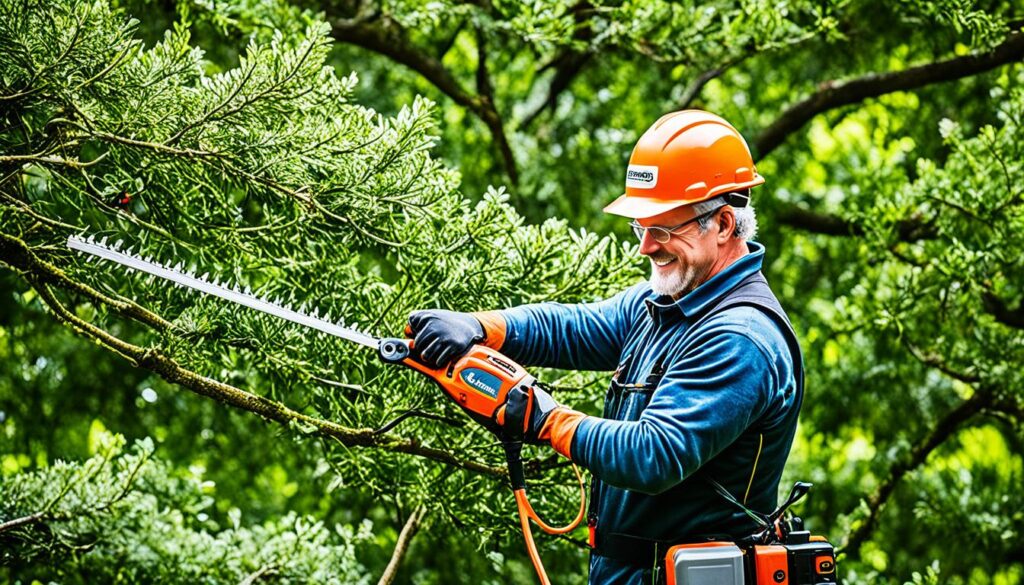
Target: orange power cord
pixel 526 513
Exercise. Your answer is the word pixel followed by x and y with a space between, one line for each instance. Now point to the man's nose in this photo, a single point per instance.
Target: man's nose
pixel 648 245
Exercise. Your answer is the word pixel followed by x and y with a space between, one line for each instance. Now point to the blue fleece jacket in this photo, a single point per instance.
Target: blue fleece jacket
pixel 725 408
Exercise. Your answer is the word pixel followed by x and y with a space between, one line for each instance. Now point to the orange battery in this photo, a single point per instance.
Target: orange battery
pixel 771 565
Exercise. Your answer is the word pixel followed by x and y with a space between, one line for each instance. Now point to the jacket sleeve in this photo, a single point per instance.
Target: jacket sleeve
pixel 706 399
pixel 586 336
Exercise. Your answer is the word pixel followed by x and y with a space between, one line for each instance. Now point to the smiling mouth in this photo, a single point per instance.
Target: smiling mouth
pixel 662 262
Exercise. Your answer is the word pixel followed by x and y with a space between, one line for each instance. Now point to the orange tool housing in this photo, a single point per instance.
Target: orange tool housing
pixel 771 564
pixel 478 381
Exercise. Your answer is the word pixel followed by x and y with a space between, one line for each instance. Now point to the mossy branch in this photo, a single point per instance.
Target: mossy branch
pixel 41 275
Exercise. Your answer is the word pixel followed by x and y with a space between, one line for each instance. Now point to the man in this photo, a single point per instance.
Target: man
pixel 708 378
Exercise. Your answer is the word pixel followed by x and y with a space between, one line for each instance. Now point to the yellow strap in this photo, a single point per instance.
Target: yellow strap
pixel 754 470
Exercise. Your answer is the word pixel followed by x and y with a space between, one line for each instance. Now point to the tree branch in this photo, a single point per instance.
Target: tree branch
pixel 697 85
pixel 908 230
pixel 262 573
pixel 412 525
pixel 382 35
pixel 819 223
pixel 23 521
pixel 35 271
pixel 569 63
pixel 833 94
pixel 16 254
pixel 935 361
pixel 945 428
pixel 1002 312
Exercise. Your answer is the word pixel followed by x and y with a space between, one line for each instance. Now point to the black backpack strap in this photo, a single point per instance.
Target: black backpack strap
pixel 753 291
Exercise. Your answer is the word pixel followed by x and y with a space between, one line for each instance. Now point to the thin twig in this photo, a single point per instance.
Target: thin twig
pixel 402 546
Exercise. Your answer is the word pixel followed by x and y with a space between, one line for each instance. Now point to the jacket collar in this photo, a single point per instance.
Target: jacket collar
pixel 701 298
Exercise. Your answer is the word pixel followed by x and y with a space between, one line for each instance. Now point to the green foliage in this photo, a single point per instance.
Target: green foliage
pixel 124 516
pixel 266 174
pixel 892 225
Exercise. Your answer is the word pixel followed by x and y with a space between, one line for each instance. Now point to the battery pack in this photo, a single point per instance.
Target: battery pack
pixel 770 565
pixel 705 563
pixel 812 563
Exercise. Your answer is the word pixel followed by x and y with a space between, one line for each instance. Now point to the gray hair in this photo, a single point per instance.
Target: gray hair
pixel 746 219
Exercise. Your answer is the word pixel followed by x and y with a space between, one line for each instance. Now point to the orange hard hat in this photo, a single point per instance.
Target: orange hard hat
pixel 685 157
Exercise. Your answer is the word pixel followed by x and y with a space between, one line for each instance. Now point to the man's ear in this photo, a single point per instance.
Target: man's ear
pixel 726 224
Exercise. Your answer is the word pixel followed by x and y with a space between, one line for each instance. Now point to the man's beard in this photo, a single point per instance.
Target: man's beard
pixel 680 281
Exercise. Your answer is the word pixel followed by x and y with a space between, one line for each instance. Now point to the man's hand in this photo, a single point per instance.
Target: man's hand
pixel 531 415
pixel 441 336
pixel 525 412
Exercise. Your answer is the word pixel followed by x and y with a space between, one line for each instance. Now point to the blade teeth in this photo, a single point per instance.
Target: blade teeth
pixel 327 317
pixel 204 276
pixel 103 241
pixel 118 244
pixel 248 291
pixel 90 239
pixel 315 313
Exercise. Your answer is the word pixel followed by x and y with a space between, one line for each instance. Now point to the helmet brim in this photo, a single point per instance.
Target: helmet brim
pixel 639 207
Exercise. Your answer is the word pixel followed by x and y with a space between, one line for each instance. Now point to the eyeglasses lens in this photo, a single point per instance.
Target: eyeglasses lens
pixel 638 230
pixel 660 234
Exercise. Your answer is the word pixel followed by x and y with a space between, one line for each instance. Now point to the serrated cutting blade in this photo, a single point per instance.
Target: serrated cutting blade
pixel 203 285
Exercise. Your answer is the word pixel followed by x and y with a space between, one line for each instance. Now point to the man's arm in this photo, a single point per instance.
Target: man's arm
pixel 704 402
pixel 586 336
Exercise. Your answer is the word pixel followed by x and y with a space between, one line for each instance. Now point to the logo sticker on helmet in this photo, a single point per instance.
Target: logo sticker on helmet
pixel 642 176
pixel 485 382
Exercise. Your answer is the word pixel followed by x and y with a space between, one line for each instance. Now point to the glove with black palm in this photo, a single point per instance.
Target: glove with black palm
pixel 532 416
pixel 440 336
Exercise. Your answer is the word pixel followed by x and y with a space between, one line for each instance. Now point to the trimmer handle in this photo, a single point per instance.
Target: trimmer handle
pixel 478 382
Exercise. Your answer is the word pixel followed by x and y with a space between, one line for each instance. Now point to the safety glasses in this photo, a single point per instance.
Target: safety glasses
pixel 664 234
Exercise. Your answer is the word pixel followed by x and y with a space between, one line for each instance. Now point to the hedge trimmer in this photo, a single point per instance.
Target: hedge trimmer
pixel 478 382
